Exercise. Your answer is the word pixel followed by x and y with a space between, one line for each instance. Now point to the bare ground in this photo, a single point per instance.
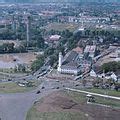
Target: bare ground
pixel 59 102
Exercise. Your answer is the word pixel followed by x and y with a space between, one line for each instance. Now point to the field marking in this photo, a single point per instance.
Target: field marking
pixel 96 94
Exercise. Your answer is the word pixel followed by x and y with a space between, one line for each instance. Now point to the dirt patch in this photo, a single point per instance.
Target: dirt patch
pixel 64 103
pixel 58 101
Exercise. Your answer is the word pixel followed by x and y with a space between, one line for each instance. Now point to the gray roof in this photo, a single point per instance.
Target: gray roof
pixel 71 56
pixel 70 65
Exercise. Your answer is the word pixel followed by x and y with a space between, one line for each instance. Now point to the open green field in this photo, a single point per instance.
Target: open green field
pixel 104 91
pixel 98 100
pixel 62 26
pixel 12 87
pixel 33 114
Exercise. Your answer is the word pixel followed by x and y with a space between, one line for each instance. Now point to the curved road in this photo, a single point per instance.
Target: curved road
pixel 16 106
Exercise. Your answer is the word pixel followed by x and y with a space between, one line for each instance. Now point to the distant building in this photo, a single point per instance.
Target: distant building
pixel 79 51
pixel 54 38
pixel 109 75
pixel 88 19
pixel 93 73
pixel 90 50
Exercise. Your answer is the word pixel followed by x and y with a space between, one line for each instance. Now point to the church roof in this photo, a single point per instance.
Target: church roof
pixel 70 65
pixel 71 56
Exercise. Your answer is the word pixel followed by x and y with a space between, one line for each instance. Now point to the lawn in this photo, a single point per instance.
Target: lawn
pixel 104 91
pixel 62 26
pixel 33 114
pixel 12 87
pixel 80 97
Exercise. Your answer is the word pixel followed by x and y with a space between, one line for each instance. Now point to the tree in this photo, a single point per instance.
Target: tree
pixel 21 68
pixel 117 86
pixel 67 34
pixel 111 66
pixel 49 51
pixel 37 63
pixel 53 59
pixel 40 41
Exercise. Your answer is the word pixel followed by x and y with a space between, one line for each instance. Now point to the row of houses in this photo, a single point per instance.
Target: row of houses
pixel 110 75
pixel 88 19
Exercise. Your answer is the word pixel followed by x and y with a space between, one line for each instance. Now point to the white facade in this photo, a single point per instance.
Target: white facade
pixel 69 71
pixel 60 62
pixel 93 74
pixel 55 37
pixel 66 69
pixel 114 77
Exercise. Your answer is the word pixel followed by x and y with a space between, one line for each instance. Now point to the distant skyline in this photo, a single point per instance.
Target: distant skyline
pixel 36 1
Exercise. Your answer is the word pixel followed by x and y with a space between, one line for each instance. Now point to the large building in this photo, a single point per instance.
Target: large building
pixel 73 62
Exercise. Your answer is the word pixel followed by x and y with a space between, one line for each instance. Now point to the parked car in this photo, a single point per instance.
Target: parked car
pixel 43 87
pixel 57 87
pixel 38 92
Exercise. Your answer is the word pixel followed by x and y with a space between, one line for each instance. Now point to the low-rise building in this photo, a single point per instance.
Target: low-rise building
pixel 90 49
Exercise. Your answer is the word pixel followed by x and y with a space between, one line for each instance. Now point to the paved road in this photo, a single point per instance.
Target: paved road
pixel 16 106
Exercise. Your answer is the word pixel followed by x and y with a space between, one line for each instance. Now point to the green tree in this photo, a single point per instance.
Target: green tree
pixel 37 63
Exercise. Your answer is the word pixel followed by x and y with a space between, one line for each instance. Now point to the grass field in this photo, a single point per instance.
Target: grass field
pixel 104 91
pixel 99 100
pixel 62 26
pixel 12 87
pixel 33 114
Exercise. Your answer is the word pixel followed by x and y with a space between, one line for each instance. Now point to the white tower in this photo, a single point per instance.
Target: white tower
pixel 60 62
pixel 28 38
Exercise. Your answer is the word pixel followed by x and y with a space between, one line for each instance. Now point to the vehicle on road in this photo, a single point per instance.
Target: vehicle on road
pixel 57 87
pixel 38 92
pixel 43 87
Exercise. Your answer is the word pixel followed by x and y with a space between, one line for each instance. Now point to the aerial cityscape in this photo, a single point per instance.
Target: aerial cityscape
pixel 59 59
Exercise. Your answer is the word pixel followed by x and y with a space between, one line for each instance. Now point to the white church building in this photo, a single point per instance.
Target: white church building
pixel 68 66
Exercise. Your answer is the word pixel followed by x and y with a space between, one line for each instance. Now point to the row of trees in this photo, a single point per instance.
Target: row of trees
pixel 106 84
pixel 10 48
pixel 38 63
pixel 20 68
pixel 111 66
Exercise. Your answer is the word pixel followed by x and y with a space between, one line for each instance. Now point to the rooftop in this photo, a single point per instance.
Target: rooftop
pixel 78 50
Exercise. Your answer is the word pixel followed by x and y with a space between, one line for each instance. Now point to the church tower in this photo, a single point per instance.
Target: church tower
pixel 60 62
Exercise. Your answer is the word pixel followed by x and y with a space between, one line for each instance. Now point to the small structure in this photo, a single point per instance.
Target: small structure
pixel 90 50
pixel 55 37
pixel 93 74
pixel 90 98
pixel 114 76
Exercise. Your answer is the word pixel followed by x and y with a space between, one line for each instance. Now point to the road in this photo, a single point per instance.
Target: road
pixel 16 106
